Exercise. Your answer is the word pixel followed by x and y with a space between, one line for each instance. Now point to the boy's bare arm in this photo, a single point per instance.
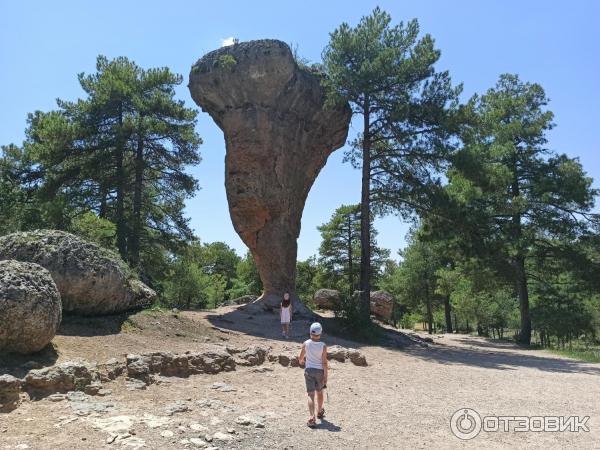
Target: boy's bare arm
pixel 325 364
pixel 302 355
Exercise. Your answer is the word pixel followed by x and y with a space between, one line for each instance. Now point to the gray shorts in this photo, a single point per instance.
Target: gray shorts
pixel 314 379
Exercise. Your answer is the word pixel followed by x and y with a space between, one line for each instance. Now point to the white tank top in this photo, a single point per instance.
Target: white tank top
pixel 314 354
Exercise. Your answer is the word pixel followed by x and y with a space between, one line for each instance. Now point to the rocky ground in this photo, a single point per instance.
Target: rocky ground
pixel 404 397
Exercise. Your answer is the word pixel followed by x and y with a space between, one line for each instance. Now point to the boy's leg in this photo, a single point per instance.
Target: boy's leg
pixel 311 404
pixel 319 400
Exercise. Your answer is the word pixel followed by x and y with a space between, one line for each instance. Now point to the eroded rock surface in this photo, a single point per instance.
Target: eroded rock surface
pixel 91 280
pixel 278 135
pixel 30 307
pixel 326 298
pixel 382 304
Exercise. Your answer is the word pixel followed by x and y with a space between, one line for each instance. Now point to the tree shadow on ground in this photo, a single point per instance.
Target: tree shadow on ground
pixel 508 356
pixel 488 354
pixel 18 365
pixel 266 324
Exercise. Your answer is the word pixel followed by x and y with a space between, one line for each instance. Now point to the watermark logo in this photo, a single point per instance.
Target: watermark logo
pixel 467 423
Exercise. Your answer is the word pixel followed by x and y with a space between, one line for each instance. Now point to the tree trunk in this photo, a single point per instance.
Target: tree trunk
pixel 134 240
pixel 523 293
pixel 350 265
pixel 448 313
pixel 365 215
pixel 120 187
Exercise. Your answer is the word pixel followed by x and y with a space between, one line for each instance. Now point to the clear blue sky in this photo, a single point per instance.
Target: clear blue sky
pixel 44 44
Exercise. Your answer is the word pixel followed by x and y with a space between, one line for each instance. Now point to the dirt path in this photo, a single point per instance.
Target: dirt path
pixel 404 398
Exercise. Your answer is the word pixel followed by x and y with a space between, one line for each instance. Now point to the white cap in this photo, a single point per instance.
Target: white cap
pixel 316 329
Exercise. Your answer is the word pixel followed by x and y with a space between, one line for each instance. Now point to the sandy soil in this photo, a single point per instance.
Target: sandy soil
pixel 404 398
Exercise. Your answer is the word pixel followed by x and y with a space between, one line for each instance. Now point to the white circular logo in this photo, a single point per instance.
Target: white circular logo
pixel 465 423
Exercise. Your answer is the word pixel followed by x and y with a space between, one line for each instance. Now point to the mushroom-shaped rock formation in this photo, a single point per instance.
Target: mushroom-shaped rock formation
pixel 278 134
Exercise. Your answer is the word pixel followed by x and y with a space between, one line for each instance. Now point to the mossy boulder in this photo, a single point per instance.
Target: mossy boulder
pixel 91 280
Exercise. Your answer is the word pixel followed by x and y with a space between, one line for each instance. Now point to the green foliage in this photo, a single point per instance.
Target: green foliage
pixel 308 275
pixel 95 229
pixel 248 280
pixel 121 153
pixel 340 251
pixel 226 62
pixel 190 285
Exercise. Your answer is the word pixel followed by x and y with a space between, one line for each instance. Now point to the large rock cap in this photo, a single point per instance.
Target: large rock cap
pixel 30 307
pixel 90 279
pixel 279 132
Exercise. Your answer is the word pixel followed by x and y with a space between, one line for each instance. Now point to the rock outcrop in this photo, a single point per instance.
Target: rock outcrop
pixel 90 279
pixel 382 304
pixel 10 388
pixel 143 366
pixel 30 307
pixel 278 134
pixel 326 298
pixel 65 377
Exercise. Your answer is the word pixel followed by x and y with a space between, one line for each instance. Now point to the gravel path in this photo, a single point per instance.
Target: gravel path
pixel 405 398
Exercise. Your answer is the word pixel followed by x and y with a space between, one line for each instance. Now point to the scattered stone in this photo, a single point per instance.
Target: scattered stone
pixel 154 422
pixel 220 436
pixel 57 397
pixel 275 120
pixel 93 388
pixel 135 385
pixel 294 362
pixel 116 425
pixel 231 430
pixel 223 387
pixel 357 358
pixel 104 392
pixel 215 421
pixel 251 419
pixel 177 407
pixel 262 369
pixel 197 442
pixel 30 306
pixel 284 360
pixel 326 298
pixel 198 427
pixel 134 442
pixel 167 434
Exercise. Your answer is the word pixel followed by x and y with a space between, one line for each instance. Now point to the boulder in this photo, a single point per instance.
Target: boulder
pixel 382 304
pixel 337 353
pixel 91 280
pixel 326 298
pixel 357 358
pixel 30 307
pixel 279 133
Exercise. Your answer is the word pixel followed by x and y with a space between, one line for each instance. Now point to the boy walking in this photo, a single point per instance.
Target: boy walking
pixel 313 357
